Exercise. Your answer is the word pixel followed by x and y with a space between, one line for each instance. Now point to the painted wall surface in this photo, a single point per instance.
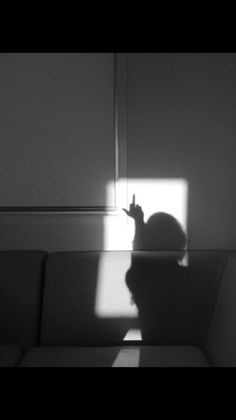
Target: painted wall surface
pixel 181 125
pixel 56 126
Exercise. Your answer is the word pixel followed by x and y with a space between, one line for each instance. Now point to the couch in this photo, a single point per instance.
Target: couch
pixel 75 309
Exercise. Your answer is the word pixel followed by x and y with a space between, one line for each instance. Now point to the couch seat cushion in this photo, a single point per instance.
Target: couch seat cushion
pixel 10 355
pixel 125 356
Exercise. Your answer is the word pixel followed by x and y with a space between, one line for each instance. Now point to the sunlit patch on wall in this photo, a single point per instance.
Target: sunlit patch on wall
pixel 153 195
pixel 160 195
pixel 166 195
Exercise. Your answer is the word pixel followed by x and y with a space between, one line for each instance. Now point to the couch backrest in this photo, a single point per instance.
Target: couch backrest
pixel 221 340
pixel 87 301
pixel 80 289
pixel 182 306
pixel 21 281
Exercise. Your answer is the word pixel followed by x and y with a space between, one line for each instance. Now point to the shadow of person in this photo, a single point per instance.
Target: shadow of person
pixel 157 280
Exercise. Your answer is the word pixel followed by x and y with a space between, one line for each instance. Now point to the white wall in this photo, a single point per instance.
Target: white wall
pixel 56 126
pixel 181 125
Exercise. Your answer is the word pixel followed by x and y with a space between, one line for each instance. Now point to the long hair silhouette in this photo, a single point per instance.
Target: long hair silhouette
pixel 162 232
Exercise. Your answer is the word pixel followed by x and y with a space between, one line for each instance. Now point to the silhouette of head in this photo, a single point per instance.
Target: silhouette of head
pixel 164 232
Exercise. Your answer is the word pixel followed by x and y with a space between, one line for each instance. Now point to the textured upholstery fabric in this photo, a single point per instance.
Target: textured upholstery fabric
pixel 135 356
pixel 221 341
pixel 184 308
pixel 10 355
pixel 21 278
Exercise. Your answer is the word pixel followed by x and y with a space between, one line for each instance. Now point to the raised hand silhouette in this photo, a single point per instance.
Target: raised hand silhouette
pixel 135 211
